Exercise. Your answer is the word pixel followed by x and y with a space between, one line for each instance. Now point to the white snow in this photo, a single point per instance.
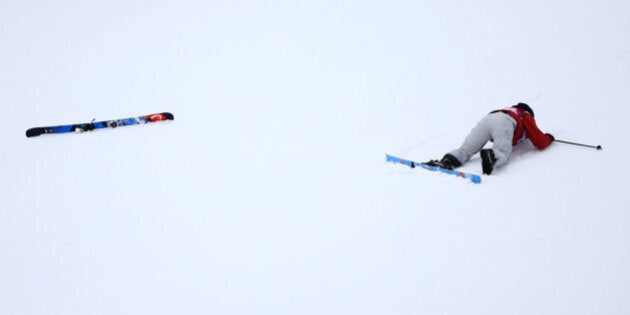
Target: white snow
pixel 269 193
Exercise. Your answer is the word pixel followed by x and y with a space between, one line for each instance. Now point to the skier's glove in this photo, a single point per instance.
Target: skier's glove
pixel 551 136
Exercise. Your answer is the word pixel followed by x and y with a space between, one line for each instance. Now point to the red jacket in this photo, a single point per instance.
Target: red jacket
pixel 526 128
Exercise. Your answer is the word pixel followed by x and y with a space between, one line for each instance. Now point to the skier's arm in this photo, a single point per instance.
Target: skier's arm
pixel 538 138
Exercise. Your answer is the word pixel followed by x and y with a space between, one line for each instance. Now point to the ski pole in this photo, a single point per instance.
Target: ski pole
pixel 598 147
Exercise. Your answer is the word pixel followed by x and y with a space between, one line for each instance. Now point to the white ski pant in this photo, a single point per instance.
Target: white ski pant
pixel 497 127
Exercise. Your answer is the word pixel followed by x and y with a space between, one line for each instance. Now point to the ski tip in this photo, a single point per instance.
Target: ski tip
pixel 34 132
pixel 159 117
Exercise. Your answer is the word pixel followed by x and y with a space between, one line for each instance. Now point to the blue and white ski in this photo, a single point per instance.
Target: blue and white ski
pixel 33 132
pixel 472 177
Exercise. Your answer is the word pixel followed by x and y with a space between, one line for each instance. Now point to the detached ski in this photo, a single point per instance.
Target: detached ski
pixel 472 177
pixel 33 132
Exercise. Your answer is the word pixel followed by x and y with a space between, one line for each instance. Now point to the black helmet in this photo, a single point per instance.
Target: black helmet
pixel 525 107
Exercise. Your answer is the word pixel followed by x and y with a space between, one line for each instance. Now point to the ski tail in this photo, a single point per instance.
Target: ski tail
pixel 34 132
pixel 472 177
pixel 393 159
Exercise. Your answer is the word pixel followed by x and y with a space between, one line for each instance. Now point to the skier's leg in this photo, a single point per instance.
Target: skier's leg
pixel 502 132
pixel 474 142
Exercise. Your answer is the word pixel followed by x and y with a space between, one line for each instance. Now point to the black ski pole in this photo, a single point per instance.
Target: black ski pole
pixel 598 147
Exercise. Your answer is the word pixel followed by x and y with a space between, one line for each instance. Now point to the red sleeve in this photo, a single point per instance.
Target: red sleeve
pixel 538 138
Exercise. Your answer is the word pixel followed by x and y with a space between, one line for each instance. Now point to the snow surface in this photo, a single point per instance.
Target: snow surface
pixel 269 193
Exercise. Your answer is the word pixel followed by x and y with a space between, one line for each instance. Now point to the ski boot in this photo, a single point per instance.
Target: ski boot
pixel 448 162
pixel 487 161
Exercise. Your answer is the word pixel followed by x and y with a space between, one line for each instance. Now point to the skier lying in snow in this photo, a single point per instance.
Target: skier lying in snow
pixel 505 127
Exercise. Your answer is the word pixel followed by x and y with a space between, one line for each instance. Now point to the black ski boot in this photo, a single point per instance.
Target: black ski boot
pixel 451 161
pixel 448 162
pixel 487 161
